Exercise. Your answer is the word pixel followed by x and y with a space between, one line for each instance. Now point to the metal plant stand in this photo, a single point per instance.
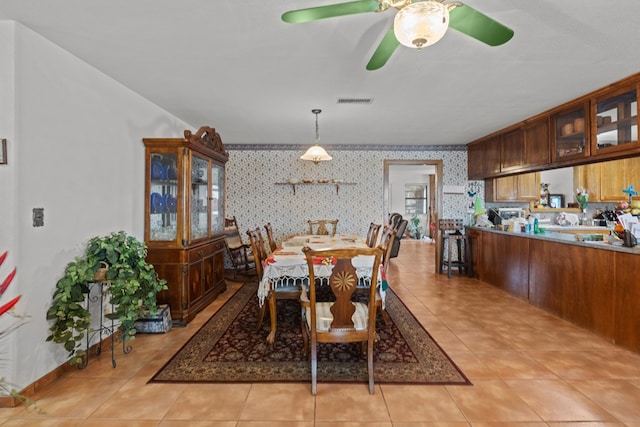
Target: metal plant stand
pixel 107 326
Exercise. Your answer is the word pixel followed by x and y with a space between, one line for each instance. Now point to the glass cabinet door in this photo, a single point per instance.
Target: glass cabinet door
pixel 217 199
pixel 163 197
pixel 616 122
pixel 571 134
pixel 199 197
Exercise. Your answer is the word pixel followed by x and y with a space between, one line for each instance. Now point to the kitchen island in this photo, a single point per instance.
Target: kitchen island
pixel 592 284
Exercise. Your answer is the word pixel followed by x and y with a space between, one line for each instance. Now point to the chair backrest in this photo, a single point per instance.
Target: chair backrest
pixel 319 226
pixel 230 222
pixel 372 234
pixel 272 242
pixel 450 225
pixel 343 283
pixel 402 225
pixel 258 249
pixel 386 244
pixel 394 219
pixel 232 234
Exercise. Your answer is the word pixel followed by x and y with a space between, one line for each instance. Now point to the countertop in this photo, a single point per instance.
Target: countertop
pixel 568 238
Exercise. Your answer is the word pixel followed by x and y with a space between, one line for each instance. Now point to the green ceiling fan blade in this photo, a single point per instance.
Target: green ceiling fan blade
pixel 385 49
pixel 473 23
pixel 330 11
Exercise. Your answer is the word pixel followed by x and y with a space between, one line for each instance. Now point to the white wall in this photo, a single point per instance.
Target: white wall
pixel 77 152
pixel 560 182
pixel 8 350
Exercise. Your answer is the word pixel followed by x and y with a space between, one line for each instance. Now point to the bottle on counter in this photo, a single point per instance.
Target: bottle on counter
pixel 536 226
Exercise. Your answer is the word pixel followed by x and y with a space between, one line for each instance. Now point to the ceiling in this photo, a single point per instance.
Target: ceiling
pixel 234 65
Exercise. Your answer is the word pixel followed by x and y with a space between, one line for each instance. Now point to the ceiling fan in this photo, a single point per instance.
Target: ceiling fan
pixel 417 24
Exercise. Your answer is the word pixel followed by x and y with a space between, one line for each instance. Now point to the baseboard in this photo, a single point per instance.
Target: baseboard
pixel 38 385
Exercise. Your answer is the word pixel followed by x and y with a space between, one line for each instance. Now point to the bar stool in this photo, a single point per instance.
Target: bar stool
pixel 451 230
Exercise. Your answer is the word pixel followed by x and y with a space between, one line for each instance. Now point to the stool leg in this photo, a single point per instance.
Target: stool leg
pixel 460 265
pixel 449 259
pixel 441 254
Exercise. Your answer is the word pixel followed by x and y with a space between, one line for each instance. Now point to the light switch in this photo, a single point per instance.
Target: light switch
pixel 38 217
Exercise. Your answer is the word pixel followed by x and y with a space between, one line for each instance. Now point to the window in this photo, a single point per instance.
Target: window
pixel 415 199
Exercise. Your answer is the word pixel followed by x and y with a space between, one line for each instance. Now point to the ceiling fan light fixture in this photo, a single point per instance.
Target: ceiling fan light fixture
pixel 421 24
pixel 316 153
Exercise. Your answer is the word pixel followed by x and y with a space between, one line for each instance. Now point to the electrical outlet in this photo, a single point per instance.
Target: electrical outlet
pixel 38 217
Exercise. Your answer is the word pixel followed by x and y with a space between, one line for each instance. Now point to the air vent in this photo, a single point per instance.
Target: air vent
pixel 355 100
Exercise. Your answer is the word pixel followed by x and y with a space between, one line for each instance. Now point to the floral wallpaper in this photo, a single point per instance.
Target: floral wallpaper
pixel 255 199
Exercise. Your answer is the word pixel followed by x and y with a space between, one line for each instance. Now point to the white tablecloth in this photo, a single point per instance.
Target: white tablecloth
pixel 287 265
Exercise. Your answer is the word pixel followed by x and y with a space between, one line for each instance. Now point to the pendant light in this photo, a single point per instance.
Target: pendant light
pixel 316 153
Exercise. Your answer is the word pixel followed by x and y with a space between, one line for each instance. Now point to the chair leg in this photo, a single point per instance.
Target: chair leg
pixel 314 367
pixel 370 365
pixel 263 309
pixel 383 312
pixel 272 313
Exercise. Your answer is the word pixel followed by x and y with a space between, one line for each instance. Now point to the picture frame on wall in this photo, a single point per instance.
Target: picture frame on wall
pixel 3 151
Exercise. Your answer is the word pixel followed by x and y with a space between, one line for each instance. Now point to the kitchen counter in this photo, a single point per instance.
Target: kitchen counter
pixel 551 234
pixel 592 284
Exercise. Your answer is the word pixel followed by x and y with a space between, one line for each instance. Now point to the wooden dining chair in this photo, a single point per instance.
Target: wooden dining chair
pixel 272 242
pixel 240 253
pixel 342 320
pixel 319 226
pixel 386 245
pixel 291 291
pixel 372 234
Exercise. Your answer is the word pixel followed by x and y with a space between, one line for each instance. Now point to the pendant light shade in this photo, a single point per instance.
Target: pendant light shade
pixel 421 24
pixel 316 153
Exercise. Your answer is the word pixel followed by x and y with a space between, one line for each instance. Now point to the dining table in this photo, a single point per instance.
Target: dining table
pixel 287 265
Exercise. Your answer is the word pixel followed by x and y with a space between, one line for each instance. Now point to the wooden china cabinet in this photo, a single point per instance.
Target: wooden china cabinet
pixel 184 218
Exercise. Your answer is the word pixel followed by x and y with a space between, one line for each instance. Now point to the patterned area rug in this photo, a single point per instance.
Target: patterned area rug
pixel 228 348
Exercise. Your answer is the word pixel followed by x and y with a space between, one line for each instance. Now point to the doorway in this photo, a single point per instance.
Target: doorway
pixel 418 172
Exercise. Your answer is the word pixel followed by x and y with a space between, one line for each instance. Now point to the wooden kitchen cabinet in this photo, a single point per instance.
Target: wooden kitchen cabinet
pixel 504 262
pixel 184 218
pixel 491 157
pixel 615 122
pixel 515 188
pixel 627 306
pixel 606 180
pixel 588 176
pixel 536 143
pixel 592 287
pixel 475 251
pixel 574 283
pixel 570 134
pixel 475 161
pixel 616 175
pixel 512 149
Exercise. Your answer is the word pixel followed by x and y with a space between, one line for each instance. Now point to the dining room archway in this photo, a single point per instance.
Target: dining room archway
pixel 427 172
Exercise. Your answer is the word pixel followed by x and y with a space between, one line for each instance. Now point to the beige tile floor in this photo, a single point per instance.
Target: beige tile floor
pixel 528 368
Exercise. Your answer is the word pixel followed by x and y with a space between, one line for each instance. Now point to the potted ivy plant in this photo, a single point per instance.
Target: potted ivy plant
pixel 119 260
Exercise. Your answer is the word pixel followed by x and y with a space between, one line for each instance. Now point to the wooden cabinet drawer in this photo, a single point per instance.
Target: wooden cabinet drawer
pixel 197 254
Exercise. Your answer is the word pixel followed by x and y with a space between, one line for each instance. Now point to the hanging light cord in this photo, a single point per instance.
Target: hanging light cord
pixel 316 112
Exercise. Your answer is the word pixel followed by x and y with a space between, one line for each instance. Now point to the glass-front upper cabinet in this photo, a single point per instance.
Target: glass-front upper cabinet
pixel 163 196
pixel 199 197
pixel 570 136
pixel 217 198
pixel 184 189
pixel 616 121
